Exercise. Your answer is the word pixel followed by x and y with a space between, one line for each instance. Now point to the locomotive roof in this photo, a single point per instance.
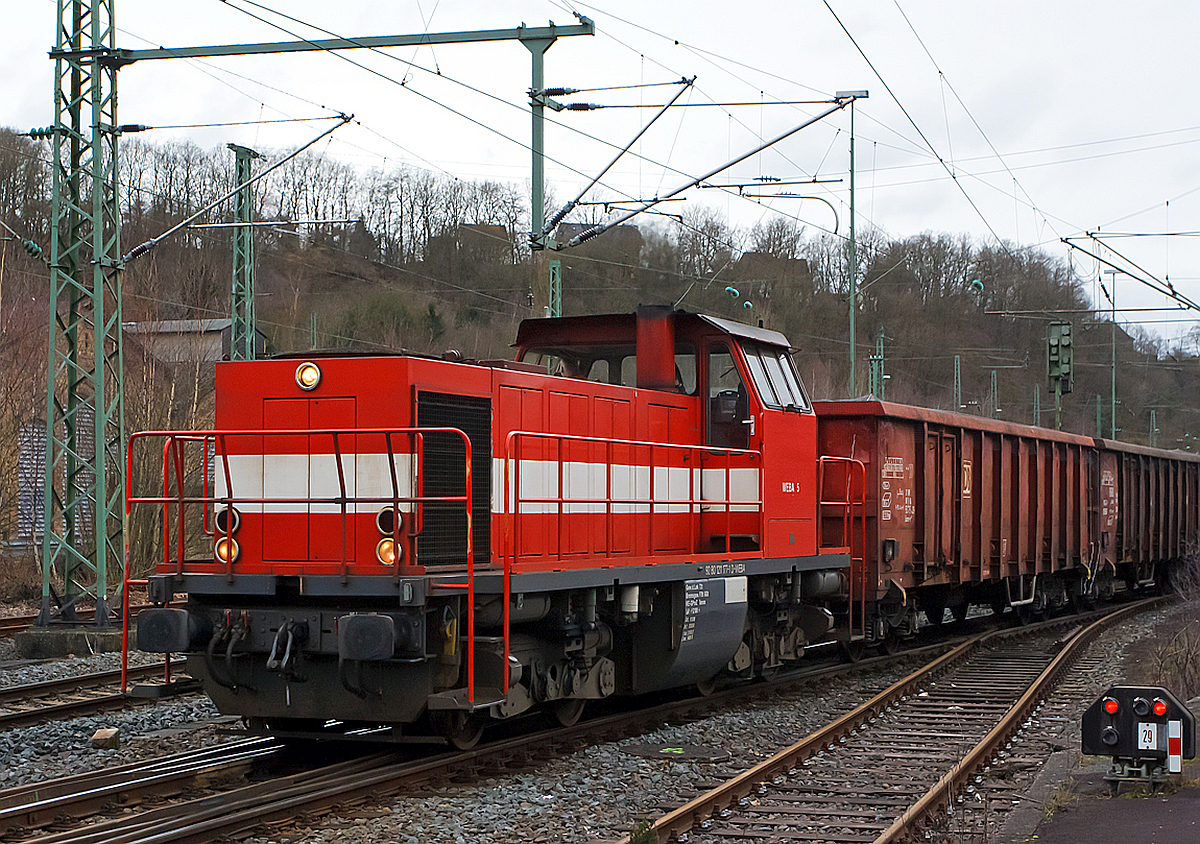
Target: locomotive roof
pixel 623 327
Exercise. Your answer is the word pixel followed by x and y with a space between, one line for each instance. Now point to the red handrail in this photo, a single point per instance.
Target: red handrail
pixel 854 469
pixel 173 455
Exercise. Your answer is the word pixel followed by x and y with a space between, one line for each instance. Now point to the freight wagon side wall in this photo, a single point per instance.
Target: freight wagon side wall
pixel 1157 502
pixel 961 500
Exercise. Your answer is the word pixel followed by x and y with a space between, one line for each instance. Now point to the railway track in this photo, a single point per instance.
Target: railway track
pixel 31 808
pixel 895 765
pixel 72 697
pixel 81 803
pixel 13 624
pixel 409 769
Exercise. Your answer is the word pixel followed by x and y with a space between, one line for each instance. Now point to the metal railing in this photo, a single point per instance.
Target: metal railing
pixel 176 501
pixel 852 496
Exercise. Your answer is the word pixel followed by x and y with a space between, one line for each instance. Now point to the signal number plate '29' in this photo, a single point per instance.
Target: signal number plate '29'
pixel 1147 736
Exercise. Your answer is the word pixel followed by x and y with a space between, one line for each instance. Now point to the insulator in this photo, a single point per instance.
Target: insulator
pixel 141 249
pixel 582 106
pixel 32 248
pixel 132 127
pixel 559 92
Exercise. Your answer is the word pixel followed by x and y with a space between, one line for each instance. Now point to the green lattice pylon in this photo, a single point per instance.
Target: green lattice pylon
pixel 242 328
pixel 84 473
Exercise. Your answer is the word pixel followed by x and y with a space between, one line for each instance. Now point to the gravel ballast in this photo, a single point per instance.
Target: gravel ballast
pixel 595 793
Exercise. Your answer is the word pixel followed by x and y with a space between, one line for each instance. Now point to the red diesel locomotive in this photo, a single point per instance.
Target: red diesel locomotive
pixel 637 502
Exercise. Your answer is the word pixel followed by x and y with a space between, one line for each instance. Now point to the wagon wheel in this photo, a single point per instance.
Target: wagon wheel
pixel 891 643
pixel 959 611
pixel 567 712
pixel 460 728
pixel 852 650
pixel 706 687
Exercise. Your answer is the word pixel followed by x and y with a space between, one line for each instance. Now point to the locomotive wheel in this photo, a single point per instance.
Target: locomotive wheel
pixel 461 729
pixel 567 712
pixel 706 687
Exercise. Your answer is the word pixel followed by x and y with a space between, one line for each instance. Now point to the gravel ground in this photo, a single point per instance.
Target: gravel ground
pixel 60 748
pixel 987 816
pixel 592 794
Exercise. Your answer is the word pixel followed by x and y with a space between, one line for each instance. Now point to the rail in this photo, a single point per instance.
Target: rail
pixel 928 807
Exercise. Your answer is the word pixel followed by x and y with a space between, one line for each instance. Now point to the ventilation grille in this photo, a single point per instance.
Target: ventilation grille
pixel 443 537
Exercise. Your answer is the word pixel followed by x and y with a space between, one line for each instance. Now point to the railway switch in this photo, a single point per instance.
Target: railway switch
pixel 1145 729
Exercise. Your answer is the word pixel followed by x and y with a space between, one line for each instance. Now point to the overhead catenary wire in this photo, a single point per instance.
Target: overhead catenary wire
pixel 909 117
pixel 143 248
pixel 596 230
pixel 570 206
pixel 403 83
pixel 946 82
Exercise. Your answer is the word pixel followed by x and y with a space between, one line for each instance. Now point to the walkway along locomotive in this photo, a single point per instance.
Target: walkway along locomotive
pixel 637 502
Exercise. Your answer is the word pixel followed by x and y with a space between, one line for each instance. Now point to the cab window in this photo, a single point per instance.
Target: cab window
pixel 775 377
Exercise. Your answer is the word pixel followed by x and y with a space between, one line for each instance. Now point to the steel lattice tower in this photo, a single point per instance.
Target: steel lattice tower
pixel 85 477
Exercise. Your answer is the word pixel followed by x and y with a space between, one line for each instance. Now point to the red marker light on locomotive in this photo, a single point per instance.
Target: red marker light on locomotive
pixel 1160 707
pixel 228 520
pixel 308 376
pixel 1111 706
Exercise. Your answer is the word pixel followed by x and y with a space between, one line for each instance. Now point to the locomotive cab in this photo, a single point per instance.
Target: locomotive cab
pixel 742 389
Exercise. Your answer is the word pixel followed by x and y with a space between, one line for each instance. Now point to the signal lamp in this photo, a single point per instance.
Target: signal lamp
pixel 1160 707
pixel 226 549
pixel 308 376
pixel 222 520
pixel 1109 736
pixel 388 520
pixel 388 552
pixel 1111 706
pixel 1141 706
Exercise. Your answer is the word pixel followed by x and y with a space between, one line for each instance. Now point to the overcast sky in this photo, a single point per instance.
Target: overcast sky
pixel 1050 119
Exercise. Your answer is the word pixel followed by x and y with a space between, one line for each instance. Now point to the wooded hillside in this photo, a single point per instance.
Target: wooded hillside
pixel 428 262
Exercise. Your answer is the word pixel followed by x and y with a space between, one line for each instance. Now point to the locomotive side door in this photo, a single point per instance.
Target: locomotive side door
pixel 787 437
pixel 728 423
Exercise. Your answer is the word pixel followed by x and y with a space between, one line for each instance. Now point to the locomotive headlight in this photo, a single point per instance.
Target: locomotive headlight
pixel 388 552
pixel 1111 706
pixel 226 549
pixel 1160 707
pixel 1141 707
pixel 308 376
